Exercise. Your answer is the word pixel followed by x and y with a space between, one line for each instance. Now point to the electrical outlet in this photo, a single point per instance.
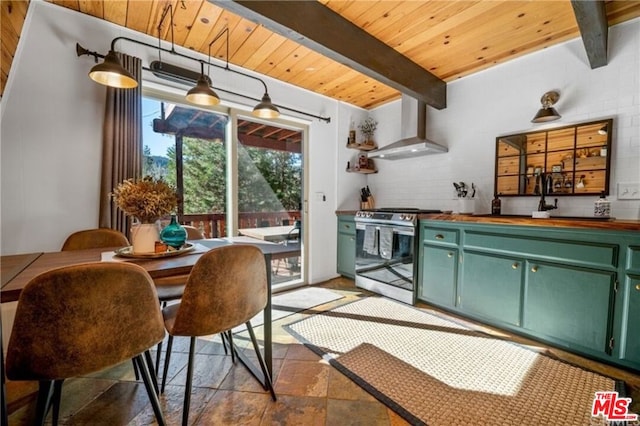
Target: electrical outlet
pixel 629 191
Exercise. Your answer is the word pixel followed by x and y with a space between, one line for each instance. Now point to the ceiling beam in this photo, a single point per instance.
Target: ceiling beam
pixel 594 28
pixel 319 28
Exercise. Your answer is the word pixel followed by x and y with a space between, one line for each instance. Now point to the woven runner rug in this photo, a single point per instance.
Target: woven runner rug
pixel 433 370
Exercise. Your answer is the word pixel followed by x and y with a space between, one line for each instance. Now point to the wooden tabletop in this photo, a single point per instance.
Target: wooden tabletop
pixel 22 268
pixel 269 233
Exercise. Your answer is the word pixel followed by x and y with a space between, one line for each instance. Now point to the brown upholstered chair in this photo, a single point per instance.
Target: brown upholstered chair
pixel 95 238
pixel 80 319
pixel 193 233
pixel 226 288
pixel 171 288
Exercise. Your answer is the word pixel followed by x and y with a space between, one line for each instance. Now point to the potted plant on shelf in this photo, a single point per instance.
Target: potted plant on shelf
pixel 368 127
pixel 146 200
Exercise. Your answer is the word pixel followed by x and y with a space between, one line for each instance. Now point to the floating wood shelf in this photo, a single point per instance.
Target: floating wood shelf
pixel 364 171
pixel 361 146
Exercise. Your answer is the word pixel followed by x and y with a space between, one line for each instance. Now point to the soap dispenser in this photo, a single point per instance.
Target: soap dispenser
pixel 602 207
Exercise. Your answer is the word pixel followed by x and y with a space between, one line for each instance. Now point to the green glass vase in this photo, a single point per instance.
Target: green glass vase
pixel 173 234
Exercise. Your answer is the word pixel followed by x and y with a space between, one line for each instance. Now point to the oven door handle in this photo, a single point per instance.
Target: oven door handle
pixel 396 230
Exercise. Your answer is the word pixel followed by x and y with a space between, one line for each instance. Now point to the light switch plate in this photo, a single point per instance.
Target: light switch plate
pixel 629 191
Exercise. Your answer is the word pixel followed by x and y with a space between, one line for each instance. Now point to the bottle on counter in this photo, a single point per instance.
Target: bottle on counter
pixel 496 205
pixel 602 207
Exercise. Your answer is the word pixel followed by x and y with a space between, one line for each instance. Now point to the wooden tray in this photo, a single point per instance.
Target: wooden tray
pixel 128 252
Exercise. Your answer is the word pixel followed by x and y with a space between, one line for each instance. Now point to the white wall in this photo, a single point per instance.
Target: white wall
pixel 52 128
pixel 502 100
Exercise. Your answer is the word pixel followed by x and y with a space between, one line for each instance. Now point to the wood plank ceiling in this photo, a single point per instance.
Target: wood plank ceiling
pixel 450 39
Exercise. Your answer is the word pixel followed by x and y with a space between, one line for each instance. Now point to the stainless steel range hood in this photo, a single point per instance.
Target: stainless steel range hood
pixel 414 146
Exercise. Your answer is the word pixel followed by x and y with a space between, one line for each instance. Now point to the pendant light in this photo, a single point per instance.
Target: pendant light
pixel 547 112
pixel 266 109
pixel 111 73
pixel 202 93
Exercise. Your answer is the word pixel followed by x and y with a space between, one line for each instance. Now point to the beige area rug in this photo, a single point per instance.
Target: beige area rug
pixel 433 370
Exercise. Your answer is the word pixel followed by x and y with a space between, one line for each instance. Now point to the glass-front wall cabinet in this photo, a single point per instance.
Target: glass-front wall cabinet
pixel 569 160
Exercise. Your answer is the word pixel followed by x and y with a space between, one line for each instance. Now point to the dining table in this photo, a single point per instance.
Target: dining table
pixel 271 233
pixel 18 270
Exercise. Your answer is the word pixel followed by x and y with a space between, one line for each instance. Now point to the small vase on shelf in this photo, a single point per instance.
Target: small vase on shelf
pixel 174 234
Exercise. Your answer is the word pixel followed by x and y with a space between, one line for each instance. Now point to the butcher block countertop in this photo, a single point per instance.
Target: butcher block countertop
pixel 522 220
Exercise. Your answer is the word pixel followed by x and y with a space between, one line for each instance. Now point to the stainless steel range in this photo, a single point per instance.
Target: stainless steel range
pixel 386 243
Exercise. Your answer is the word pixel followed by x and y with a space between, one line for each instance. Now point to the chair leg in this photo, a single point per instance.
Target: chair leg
pixel 263 366
pixel 153 397
pixel 187 389
pixel 159 348
pixel 233 351
pixel 154 378
pixel 57 396
pixel 45 393
pixel 224 343
pixel 158 353
pixel 167 357
pixel 135 369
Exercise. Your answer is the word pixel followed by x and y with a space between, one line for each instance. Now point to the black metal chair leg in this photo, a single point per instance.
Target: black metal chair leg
pixel 263 366
pixel 224 343
pixel 158 353
pixel 135 369
pixel 154 378
pixel 57 396
pixel 159 348
pixel 187 389
pixel 45 392
pixel 167 357
pixel 153 397
pixel 233 351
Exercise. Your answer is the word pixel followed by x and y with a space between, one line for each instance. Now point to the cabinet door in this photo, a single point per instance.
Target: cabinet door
pixel 491 287
pixel 569 304
pixel 630 342
pixel 346 254
pixel 438 275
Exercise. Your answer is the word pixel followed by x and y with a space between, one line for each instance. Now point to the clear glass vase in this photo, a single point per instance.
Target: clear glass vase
pixel 174 234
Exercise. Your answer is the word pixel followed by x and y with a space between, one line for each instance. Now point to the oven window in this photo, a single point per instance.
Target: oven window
pixel 393 268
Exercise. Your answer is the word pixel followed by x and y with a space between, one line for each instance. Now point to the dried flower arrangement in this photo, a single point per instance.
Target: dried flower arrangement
pixel 368 127
pixel 146 199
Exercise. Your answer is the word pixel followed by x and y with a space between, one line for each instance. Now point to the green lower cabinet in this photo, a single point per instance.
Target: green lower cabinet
pixel 438 275
pixel 491 287
pixel 346 262
pixel 630 336
pixel 572 305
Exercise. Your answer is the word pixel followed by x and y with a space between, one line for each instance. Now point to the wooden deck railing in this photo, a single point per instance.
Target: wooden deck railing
pixel 213 225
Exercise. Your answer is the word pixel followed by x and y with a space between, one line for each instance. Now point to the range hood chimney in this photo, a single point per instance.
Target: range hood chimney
pixel 413 146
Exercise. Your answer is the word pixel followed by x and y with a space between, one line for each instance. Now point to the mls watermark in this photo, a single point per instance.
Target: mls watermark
pixel 612 407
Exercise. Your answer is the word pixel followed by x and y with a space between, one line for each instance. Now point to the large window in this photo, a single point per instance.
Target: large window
pixel 189 148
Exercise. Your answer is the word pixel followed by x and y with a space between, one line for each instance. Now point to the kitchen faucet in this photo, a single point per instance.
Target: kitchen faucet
pixel 545 185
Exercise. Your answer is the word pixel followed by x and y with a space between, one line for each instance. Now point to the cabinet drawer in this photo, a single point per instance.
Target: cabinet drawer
pixel 580 253
pixel 439 235
pixel 633 262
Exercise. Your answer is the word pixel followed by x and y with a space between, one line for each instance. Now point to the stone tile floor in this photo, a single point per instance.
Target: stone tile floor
pixel 310 391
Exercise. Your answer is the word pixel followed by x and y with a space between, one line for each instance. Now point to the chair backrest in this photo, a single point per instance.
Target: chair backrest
pixel 79 319
pixel 193 233
pixel 227 287
pixel 95 238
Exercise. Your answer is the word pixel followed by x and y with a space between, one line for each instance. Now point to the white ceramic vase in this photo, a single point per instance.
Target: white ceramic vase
pixel 144 237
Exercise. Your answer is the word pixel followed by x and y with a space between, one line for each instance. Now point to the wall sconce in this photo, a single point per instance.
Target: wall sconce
pixel 547 112
pixel 111 72
pixel 603 130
